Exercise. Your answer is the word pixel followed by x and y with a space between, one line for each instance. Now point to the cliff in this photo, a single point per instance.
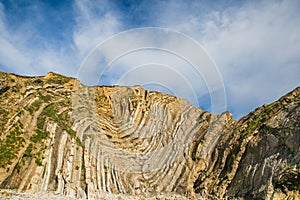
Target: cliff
pixel 63 139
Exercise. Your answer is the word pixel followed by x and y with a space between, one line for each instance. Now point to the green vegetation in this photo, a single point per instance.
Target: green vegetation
pixel 85 136
pixel 28 151
pixel 270 107
pixel 64 79
pixel 252 125
pixel 38 161
pixel 41 122
pixel 10 146
pixel 20 113
pixel 34 106
pixel 46 98
pixel 256 121
pixel 38 81
pixel 39 136
pixel 64 116
pixel 70 131
pixel 14 141
pixel 3 115
pixel 61 119
pixel 58 79
pixel 49 111
pixel 103 96
pixel 78 141
pixel 82 164
pixel 32 151
pixel 250 128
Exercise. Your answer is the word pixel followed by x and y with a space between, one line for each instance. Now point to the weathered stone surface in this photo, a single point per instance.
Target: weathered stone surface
pixel 63 138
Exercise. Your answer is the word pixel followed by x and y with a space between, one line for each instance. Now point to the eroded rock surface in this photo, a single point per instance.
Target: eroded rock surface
pixel 63 138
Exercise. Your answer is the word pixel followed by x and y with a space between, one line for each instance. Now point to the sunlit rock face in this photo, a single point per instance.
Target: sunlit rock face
pixel 61 138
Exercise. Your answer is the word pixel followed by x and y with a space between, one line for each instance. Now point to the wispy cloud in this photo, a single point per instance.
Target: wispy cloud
pixel 94 23
pixel 256 47
pixel 255 44
pixel 24 51
pixel 9 54
pixel 129 57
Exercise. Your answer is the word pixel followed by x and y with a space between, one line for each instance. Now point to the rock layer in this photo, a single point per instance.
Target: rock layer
pixel 65 138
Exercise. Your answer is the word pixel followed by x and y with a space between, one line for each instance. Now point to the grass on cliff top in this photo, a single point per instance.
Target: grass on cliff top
pixel 258 119
pixel 252 125
pixel 57 79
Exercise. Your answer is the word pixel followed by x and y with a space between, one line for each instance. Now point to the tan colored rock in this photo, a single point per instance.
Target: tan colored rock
pixel 63 138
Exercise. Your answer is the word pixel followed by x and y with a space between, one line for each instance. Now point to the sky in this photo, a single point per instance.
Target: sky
pixel 219 55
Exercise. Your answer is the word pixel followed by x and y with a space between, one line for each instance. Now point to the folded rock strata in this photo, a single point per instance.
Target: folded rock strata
pixel 61 137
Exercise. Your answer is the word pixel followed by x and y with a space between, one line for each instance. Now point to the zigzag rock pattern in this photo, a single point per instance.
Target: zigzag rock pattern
pixel 61 138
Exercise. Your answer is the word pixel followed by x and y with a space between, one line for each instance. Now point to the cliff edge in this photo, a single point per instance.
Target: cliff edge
pixel 61 138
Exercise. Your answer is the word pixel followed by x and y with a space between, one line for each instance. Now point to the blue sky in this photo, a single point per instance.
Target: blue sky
pixel 255 45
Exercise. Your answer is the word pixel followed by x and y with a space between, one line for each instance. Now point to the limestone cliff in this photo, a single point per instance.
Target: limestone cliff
pixel 61 138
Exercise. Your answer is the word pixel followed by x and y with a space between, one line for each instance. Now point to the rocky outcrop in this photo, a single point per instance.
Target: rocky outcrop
pixel 61 137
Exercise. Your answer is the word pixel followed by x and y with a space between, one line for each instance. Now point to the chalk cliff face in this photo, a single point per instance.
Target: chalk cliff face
pixel 62 138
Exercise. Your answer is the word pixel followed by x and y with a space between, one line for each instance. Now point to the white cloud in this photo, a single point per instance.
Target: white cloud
pixel 11 56
pixel 255 45
pixel 252 46
pixel 129 52
pixel 2 18
pixel 24 51
pixel 94 24
pixel 20 56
